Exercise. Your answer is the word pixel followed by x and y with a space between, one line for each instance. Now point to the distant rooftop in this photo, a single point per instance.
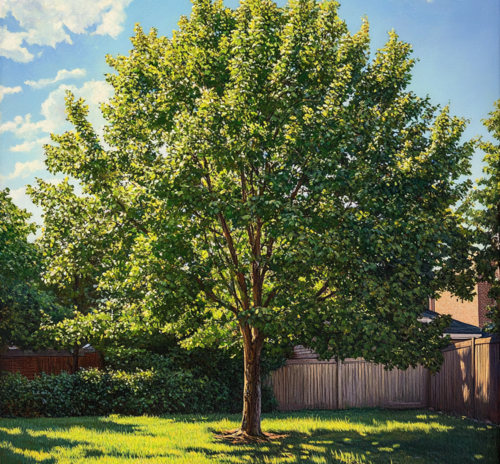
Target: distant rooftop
pixel 457 329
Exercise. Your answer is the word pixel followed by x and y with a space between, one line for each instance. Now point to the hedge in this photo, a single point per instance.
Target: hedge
pixel 97 393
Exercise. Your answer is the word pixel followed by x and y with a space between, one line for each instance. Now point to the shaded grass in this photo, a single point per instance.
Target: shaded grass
pixel 351 436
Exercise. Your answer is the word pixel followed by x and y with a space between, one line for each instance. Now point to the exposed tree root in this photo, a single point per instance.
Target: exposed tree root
pixel 239 436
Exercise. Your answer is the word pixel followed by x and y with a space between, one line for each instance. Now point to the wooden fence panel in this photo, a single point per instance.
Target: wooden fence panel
pixel 306 386
pixel 487 380
pixel 451 388
pixel 314 385
pixel 468 383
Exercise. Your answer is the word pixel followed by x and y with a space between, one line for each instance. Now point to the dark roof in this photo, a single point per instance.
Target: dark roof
pixel 456 327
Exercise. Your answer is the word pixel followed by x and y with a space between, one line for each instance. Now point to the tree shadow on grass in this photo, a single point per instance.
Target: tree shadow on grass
pixel 377 436
pixel 415 437
pixel 29 440
pixel 19 446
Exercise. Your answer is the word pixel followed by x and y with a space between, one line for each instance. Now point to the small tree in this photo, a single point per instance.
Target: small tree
pixel 482 211
pixel 23 300
pixel 73 247
pixel 280 185
pixel 18 257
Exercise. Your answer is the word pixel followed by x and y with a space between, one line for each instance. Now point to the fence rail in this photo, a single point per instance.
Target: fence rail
pixel 468 383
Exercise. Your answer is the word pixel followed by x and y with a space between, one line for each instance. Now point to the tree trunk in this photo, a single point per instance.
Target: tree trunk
pixel 74 366
pixel 250 424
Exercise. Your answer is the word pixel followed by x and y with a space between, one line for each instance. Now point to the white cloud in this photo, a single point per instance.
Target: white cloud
pixel 61 75
pixel 22 127
pixel 11 45
pixel 23 170
pixel 45 22
pixel 112 21
pixel 23 200
pixel 8 90
pixel 54 112
pixel 28 146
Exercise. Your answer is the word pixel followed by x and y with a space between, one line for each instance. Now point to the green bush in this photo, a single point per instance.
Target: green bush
pixel 92 392
pixel 223 373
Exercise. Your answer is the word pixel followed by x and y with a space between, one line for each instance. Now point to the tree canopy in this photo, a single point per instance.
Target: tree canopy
pixel 482 212
pixel 276 182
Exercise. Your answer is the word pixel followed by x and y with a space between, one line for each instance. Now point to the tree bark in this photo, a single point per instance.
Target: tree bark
pixel 250 423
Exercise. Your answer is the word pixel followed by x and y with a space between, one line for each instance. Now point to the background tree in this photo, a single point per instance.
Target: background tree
pixel 280 185
pixel 79 242
pixel 482 211
pixel 23 300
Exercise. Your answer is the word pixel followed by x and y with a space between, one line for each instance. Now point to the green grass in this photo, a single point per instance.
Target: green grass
pixel 351 436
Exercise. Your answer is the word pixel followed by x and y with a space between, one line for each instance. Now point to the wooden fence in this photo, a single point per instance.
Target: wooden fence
pixel 468 383
pixel 31 364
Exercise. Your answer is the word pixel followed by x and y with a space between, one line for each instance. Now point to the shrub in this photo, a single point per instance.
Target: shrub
pixel 95 393
pixel 92 392
pixel 222 372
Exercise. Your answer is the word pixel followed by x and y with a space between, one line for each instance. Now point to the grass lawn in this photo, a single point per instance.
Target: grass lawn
pixel 350 436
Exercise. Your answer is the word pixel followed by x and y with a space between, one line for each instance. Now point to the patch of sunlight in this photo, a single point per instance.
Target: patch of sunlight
pixel 349 458
pixel 421 416
pixel 318 459
pixel 397 445
pixel 478 456
pixel 16 431
pixel 32 454
pixel 375 443
pixel 393 426
pixel 347 439
pixel 312 447
pixel 385 448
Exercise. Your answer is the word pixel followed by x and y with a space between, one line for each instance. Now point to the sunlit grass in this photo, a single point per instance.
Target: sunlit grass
pixel 352 436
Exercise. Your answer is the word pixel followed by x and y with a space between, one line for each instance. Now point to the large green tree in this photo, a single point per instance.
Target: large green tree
pixel 482 211
pixel 280 184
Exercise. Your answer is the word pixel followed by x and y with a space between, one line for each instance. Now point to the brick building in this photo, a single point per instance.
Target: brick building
pixel 470 312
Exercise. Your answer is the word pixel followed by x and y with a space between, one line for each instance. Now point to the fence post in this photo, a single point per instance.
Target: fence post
pixel 473 376
pixel 340 401
pixel 428 387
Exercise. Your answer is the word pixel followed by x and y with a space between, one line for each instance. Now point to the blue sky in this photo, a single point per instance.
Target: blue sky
pixel 48 46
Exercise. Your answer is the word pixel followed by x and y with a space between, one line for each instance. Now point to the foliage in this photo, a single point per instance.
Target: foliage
pixel 71 256
pixel 277 179
pixel 483 214
pixel 162 389
pixel 22 300
pixel 224 371
pixel 18 257
pixel 349 436
pixel 23 311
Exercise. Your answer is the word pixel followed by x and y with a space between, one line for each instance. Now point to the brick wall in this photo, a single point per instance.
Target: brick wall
pixel 30 366
pixel 461 310
pixel 484 301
